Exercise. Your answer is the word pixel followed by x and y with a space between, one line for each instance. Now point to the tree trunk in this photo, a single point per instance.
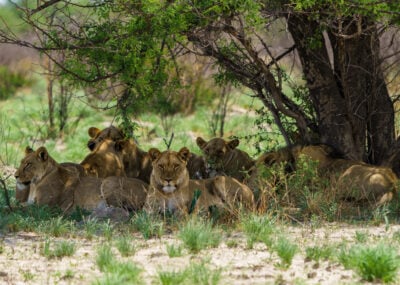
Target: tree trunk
pixel 355 112
pixel 331 108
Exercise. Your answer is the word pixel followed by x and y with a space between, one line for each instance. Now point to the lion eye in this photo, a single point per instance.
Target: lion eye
pixel 161 167
pixel 176 166
pixel 100 139
pixel 27 165
pixel 220 152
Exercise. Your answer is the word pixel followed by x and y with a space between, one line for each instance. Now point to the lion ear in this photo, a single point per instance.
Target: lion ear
pixel 184 153
pixel 28 150
pixel 42 153
pixel 93 131
pixel 154 154
pixel 233 143
pixel 201 142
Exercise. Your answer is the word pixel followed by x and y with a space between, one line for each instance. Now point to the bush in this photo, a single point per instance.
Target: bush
pixel 11 81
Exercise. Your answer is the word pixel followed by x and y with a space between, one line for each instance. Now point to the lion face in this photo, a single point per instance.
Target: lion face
pixel 32 167
pixel 169 169
pixel 98 136
pixel 104 161
pixel 216 150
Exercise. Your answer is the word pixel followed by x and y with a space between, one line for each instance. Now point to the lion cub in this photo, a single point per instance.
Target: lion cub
pixel 224 158
pixel 171 190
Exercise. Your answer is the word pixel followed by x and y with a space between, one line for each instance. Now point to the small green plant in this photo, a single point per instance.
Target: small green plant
pixel 361 237
pixel 107 230
pixel 257 229
pixel 69 274
pixel 125 246
pixel 91 227
pixel 172 277
pixel 231 243
pixel 174 251
pixel 120 273
pixel 149 225
pixel 198 234
pixel 201 274
pixel 378 263
pixel 317 253
pixel 105 257
pixel 285 250
pixel 27 275
pixel 61 249
pixel 196 273
pixel 56 227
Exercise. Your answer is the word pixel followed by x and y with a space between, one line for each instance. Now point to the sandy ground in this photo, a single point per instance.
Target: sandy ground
pixel 22 263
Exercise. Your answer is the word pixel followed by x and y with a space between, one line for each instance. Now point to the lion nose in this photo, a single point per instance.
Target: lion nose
pixel 16 175
pixel 168 180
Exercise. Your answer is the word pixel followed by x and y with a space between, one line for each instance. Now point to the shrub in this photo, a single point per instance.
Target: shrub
pixel 10 82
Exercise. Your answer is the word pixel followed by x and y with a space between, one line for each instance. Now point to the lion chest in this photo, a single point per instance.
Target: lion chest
pixel 171 204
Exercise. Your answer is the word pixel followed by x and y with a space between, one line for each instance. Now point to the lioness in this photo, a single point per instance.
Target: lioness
pixel 354 180
pixel 55 185
pixel 104 161
pixel 22 190
pixel 172 190
pixel 97 135
pixel 224 158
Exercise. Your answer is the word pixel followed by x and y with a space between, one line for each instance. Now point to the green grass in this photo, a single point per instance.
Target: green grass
pixel 198 234
pixel 317 253
pixel 125 246
pixel 58 250
pixel 121 273
pixel 257 229
pixel 286 250
pixel 104 257
pixel 197 273
pixel 149 225
pixel 373 263
pixel 174 250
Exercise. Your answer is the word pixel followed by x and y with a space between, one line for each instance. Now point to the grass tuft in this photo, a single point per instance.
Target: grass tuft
pixel 149 225
pixel 125 246
pixel 286 250
pixel 198 234
pixel 257 229
pixel 374 264
pixel 61 249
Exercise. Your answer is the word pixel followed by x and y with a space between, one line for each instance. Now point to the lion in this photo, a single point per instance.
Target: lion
pixel 137 162
pixel 58 186
pixel 97 136
pixel 104 161
pixel 22 190
pixel 171 190
pixel 224 158
pixel 353 180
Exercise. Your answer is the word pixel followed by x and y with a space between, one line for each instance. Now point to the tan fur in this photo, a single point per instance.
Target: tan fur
pixel 55 185
pixel 137 163
pixel 366 183
pixel 22 190
pixel 104 161
pixel 172 190
pixel 355 180
pixel 224 158
pixel 97 136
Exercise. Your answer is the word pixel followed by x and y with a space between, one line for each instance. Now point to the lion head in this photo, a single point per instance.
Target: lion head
pixel 224 158
pixel 104 161
pixel 33 166
pixel 169 169
pixel 137 163
pixel 97 136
